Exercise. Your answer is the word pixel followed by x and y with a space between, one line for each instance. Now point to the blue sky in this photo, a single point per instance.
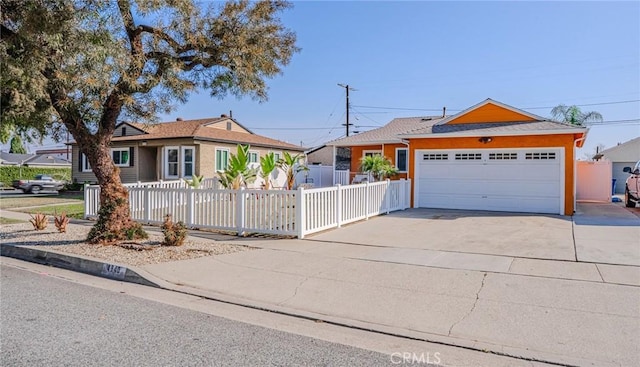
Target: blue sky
pixel 426 55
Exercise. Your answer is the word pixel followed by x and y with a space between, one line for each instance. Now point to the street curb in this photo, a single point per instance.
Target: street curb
pixel 75 263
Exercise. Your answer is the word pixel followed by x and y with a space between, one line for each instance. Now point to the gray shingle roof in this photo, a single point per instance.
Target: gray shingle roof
pixel 47 160
pixel 11 158
pixel 388 133
pixel 494 127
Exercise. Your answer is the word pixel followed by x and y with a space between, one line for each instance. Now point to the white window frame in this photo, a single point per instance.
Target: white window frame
pixel 113 150
pixel 166 161
pixel 184 162
pixel 406 157
pixel 86 167
pixel 257 153
pixel 277 155
pixel 216 158
pixel 372 152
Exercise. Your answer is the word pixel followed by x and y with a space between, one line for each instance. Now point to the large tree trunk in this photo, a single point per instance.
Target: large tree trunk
pixel 114 222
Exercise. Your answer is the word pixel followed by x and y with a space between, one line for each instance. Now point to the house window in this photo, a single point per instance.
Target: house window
pixel 222 159
pixel 371 153
pixel 277 155
pixel 188 161
pixel 124 131
pixel 253 157
pixel 120 156
pixel 401 159
pixel 171 162
pixel 86 167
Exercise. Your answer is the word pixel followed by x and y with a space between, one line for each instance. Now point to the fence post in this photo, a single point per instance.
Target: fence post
pixel 387 196
pixel 86 200
pixel 300 220
pixel 240 210
pixel 339 205
pixel 366 200
pixel 406 194
pixel 147 204
pixel 190 206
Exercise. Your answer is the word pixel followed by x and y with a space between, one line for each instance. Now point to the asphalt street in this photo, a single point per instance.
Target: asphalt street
pixel 50 321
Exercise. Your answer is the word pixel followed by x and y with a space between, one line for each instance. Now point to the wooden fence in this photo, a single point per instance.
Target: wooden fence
pixel 281 212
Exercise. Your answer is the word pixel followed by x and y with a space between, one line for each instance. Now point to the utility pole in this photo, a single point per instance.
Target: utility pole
pixel 347 89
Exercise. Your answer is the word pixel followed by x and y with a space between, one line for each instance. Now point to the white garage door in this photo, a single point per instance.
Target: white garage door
pixel 515 180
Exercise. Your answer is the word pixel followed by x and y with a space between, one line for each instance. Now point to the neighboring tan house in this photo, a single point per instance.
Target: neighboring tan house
pixel 490 156
pixel 33 160
pixel 622 155
pixel 180 149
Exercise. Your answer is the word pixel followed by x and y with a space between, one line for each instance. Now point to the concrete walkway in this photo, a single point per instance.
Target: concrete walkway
pixel 559 311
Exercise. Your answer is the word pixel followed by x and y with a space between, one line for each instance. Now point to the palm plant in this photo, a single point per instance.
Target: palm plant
pixel 238 173
pixel 195 181
pixel 268 164
pixel 574 116
pixel 380 167
pixel 290 164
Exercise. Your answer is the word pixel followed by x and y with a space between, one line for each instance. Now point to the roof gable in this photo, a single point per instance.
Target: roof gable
pixel 228 124
pixel 628 151
pixel 128 129
pixel 490 111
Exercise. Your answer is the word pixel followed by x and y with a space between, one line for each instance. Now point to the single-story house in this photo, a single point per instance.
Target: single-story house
pixel 323 155
pixel 62 153
pixel 491 156
pixel 179 149
pixel 622 155
pixel 33 160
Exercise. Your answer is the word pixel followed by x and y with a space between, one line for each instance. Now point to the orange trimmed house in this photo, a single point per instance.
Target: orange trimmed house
pixel 490 156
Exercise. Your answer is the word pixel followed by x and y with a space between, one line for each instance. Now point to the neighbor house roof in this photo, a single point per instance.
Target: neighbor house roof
pixel 198 130
pixel 14 159
pixel 389 133
pixel 628 151
pixel 47 160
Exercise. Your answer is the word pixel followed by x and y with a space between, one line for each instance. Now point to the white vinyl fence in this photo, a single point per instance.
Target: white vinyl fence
pixel 282 212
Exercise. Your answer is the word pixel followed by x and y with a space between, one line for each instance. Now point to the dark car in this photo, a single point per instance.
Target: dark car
pixel 39 183
pixel 632 186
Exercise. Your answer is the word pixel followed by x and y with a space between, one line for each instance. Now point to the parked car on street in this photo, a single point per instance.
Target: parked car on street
pixel 632 186
pixel 39 183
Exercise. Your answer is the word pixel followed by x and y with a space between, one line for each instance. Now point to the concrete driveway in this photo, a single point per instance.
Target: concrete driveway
pixel 490 233
pixel 598 233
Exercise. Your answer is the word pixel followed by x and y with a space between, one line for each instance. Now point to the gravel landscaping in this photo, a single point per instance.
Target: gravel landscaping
pixel 73 242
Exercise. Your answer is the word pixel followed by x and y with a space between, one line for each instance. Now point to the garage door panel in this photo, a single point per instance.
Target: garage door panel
pixel 505 181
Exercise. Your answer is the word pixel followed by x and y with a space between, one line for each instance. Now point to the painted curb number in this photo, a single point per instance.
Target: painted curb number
pixel 113 271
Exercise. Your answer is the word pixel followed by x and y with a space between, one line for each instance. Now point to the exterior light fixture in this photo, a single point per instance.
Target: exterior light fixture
pixel 485 139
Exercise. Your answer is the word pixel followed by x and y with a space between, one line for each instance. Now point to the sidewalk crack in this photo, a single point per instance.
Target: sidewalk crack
pixel 472 307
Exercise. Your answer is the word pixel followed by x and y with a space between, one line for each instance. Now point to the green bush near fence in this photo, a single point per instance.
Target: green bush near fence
pixel 10 173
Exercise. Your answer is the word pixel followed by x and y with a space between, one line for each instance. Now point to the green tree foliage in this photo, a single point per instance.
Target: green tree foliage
pixel 86 65
pixel 268 164
pixel 574 116
pixel 291 166
pixel 238 173
pixel 380 167
pixel 16 146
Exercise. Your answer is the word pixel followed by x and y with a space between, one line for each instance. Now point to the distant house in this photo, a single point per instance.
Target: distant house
pixel 62 153
pixel 179 149
pixel 622 155
pixel 33 160
pixel 323 155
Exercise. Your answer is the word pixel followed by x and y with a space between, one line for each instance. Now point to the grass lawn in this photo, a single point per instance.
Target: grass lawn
pixel 72 210
pixel 10 221
pixel 22 202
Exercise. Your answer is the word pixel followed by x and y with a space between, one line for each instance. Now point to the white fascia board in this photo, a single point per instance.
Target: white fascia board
pixel 377 142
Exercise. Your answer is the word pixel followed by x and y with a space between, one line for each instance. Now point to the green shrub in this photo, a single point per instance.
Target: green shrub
pixel 10 173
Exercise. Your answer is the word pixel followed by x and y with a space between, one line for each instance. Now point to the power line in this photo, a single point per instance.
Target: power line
pixel 524 108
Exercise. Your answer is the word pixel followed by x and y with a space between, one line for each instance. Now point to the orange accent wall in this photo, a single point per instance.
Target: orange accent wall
pixel 530 141
pixel 490 113
pixel 389 151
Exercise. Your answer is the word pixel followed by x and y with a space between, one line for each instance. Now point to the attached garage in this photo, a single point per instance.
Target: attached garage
pixel 515 180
